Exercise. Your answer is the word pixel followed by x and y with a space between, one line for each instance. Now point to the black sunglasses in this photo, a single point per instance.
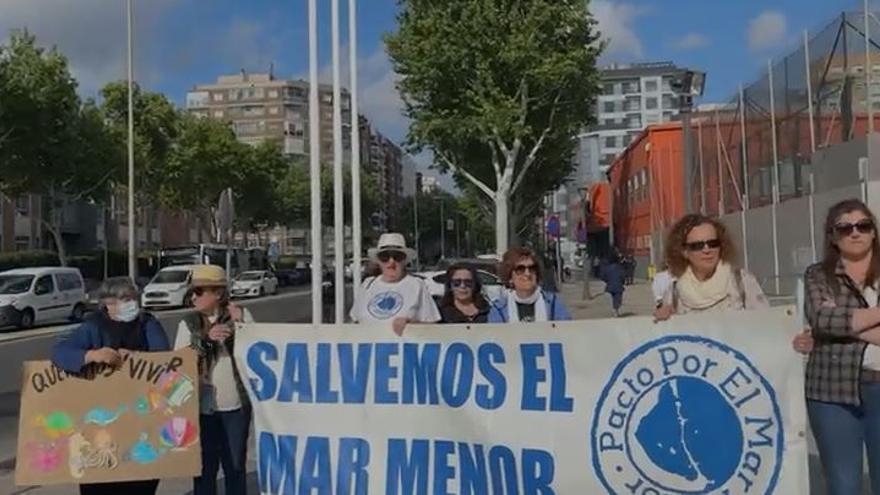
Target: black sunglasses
pixel 467 283
pixel 863 226
pixel 700 245
pixel 522 269
pixel 395 255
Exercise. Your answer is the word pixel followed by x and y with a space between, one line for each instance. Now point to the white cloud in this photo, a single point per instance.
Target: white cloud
pixel 91 33
pixel 691 41
pixel 767 30
pixel 616 21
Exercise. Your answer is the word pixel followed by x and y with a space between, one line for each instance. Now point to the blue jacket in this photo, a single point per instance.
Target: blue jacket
pixel 69 351
pixel 614 276
pixel 555 309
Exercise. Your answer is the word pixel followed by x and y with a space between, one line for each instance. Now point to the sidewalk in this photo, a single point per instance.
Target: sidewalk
pixel 637 300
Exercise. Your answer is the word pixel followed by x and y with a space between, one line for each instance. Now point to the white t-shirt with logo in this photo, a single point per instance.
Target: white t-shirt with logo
pixel 382 302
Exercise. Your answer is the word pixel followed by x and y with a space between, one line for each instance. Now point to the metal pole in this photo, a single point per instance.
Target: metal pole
pixel 356 235
pixel 745 233
pixel 702 170
pixel 442 231
pixel 416 231
pixel 457 237
pixel 132 242
pixel 868 75
pixel 687 165
pixel 775 179
pixel 812 204
pixel 721 209
pixel 809 93
pixel 338 204
pixel 315 167
pixel 745 148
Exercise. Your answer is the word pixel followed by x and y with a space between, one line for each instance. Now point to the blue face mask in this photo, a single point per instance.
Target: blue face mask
pixel 127 311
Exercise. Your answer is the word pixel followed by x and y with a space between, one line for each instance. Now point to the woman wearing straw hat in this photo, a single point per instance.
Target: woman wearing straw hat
pixel 394 296
pixel 225 413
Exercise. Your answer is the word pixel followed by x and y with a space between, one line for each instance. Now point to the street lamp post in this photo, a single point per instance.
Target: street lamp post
pixel 132 242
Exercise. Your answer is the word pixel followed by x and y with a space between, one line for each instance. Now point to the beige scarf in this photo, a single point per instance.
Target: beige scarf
pixel 698 295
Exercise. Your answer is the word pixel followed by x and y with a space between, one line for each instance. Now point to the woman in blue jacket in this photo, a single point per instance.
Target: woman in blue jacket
pixel 118 328
pixel 524 300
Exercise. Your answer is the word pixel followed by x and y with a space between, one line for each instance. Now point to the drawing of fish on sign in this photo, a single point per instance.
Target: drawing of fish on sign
pixel 103 417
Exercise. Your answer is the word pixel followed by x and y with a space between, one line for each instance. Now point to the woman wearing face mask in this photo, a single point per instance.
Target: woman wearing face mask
pixel 702 258
pixel 225 412
pixel 843 370
pixel 463 301
pixel 524 300
pixel 118 327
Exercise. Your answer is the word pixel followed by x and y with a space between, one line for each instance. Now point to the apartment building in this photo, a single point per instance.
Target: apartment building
pixel 633 97
pixel 261 107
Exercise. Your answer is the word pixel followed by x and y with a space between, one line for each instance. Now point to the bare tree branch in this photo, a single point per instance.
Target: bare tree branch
pixel 476 182
pixel 90 190
pixel 530 160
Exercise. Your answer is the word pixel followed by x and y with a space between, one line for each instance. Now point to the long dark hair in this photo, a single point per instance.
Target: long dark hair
pixel 478 297
pixel 832 253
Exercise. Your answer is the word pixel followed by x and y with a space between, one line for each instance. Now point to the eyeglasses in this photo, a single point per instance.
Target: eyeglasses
pixel 700 245
pixel 863 226
pixel 388 255
pixel 522 269
pixel 465 283
pixel 200 291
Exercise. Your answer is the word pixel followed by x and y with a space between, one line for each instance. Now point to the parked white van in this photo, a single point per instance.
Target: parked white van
pixel 169 288
pixel 29 296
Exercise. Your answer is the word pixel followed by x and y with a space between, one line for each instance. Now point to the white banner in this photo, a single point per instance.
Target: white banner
pixel 703 404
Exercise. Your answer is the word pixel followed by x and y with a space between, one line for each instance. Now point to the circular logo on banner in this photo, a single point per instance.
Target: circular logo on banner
pixel 688 415
pixel 385 305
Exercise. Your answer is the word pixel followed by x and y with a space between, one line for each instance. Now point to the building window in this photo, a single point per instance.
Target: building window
pixel 651 86
pixel 627 139
pixel 22 243
pixel 652 118
pixel 23 205
pixel 611 142
pixel 273 93
pixel 634 121
pixel 608 107
pixel 253 111
pixel 609 89
pixel 327 98
pixel 631 87
pixel 218 114
pixel 218 96
pixel 669 102
pixel 651 103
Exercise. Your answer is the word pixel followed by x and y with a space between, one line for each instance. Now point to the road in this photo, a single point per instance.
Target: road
pixel 291 306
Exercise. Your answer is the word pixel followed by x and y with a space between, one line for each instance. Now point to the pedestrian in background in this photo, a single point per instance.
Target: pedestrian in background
pixel 701 256
pixel 225 411
pixel 613 273
pixel 463 300
pixel 119 327
pixel 843 369
pixel 525 300
pixel 629 264
pixel 394 297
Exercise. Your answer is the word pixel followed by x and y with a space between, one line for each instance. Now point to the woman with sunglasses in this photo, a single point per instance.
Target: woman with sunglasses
pixel 701 256
pixel 225 412
pixel 118 327
pixel 843 370
pixel 394 297
pixel 463 300
pixel 524 300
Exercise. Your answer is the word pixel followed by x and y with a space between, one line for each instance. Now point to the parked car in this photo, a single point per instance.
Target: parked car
pixel 29 296
pixel 289 277
pixel 436 281
pixel 256 283
pixel 170 288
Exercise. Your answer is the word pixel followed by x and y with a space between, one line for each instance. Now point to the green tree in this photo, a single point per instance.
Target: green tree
pixel 497 89
pixel 50 143
pixel 258 202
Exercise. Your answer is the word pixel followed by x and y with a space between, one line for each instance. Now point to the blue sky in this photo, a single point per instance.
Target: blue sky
pixel 184 42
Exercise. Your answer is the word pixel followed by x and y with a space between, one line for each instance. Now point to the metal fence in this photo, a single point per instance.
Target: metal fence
pixel 756 149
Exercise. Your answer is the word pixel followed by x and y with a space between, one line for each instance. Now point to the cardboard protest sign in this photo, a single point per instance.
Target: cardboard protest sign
pixel 138 421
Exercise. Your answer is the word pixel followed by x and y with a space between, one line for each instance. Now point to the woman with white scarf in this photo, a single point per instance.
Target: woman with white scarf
pixel 524 300
pixel 701 255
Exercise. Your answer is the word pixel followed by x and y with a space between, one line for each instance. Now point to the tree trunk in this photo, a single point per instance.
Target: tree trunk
pixel 502 215
pixel 54 228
